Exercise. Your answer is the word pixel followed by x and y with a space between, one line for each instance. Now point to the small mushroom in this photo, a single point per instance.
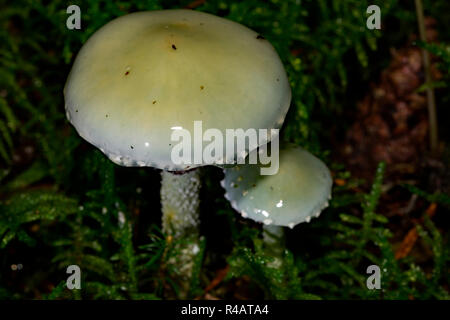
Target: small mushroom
pixel 299 191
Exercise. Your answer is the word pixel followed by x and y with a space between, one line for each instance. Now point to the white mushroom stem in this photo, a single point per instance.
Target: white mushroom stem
pixel 274 244
pixel 180 221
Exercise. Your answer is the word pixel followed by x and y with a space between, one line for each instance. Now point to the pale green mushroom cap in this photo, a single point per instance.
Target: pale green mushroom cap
pixel 145 74
pixel 299 191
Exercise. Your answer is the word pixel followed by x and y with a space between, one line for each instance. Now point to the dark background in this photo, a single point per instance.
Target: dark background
pixel 358 104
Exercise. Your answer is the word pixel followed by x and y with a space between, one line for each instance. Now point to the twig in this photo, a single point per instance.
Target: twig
pixel 430 92
pixel 411 237
pixel 195 4
pixel 221 274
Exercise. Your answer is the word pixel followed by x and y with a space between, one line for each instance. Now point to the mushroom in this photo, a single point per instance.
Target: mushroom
pixel 145 75
pixel 299 191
